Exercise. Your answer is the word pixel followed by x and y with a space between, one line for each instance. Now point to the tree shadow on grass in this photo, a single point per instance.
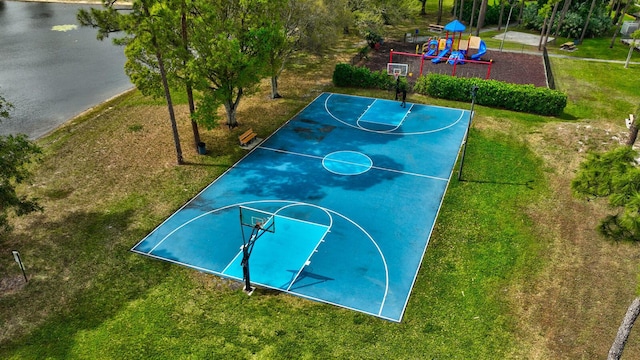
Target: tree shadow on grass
pixel 567 117
pixel 82 274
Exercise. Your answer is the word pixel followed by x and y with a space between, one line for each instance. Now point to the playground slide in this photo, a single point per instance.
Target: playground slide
pixel 481 51
pixel 456 57
pixel 444 52
pixel 433 47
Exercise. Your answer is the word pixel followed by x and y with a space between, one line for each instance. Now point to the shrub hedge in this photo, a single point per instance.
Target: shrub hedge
pixel 493 93
pixel 346 75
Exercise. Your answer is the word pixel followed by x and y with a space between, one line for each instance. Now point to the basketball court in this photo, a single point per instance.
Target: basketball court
pixel 336 206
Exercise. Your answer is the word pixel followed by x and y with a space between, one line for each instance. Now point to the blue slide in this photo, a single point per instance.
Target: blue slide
pixel 444 51
pixel 481 51
pixel 433 47
pixel 456 57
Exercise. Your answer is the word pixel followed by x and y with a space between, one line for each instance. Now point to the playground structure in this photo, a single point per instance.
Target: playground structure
pixel 450 49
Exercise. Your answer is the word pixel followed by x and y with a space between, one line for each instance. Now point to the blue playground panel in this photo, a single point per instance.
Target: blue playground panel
pixel 355 185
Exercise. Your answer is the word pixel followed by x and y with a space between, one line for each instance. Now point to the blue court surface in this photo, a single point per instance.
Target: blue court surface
pixel 354 185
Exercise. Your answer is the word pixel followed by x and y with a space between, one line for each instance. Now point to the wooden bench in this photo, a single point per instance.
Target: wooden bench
pixel 436 28
pixel 247 137
pixel 568 46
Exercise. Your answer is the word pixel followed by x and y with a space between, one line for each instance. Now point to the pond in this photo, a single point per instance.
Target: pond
pixel 51 69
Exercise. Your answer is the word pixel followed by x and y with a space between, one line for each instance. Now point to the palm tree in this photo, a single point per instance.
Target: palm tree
pixel 586 23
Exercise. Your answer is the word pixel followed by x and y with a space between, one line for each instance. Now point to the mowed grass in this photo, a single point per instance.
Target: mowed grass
pixel 591 48
pixel 597 90
pixel 491 286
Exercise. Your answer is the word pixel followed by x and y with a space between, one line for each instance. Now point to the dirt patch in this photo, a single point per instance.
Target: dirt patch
pixel 588 282
pixel 515 68
pixel 10 285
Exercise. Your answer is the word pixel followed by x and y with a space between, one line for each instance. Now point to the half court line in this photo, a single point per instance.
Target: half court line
pixel 373 167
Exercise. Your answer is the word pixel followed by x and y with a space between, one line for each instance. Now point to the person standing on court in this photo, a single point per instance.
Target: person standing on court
pixel 401 90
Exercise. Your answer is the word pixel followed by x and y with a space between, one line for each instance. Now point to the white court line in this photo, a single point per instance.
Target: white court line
pixel 312 298
pixel 373 167
pixel 384 260
pixel 288 204
pixel 315 249
pixel 366 111
pixel 326 108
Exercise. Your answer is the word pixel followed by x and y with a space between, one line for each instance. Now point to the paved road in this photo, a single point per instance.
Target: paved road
pixel 50 70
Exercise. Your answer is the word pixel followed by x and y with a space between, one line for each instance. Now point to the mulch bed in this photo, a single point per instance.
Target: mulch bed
pixel 515 68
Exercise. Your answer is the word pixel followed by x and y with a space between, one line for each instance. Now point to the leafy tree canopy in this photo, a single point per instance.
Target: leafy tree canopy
pixel 16 153
pixel 614 175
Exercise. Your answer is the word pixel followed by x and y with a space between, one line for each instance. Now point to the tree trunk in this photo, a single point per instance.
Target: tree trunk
pixel 614 3
pixel 544 26
pixel 192 110
pixel 565 9
pixel 502 2
pixel 192 106
pixel 231 114
pixel 455 9
pixel 274 88
pixel 617 29
pixel 553 15
pixel 473 11
pixel 586 24
pixel 231 107
pixel 521 12
pixel 623 331
pixel 167 93
pixel 481 16
pixel 440 11
pixel 616 16
pixel 633 129
pixel 422 7
pixel 461 10
pixel 631 47
pixel 633 134
pixel 172 115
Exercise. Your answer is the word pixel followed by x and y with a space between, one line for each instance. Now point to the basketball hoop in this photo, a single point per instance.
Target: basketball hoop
pixel 260 223
pixel 397 70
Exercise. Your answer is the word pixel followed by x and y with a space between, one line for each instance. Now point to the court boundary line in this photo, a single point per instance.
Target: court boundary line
pixel 327 228
pixel 372 166
pixel 239 161
pixel 390 131
pixel 289 204
pixel 435 219
pixel 315 249
pixel 359 120
pixel 308 260
pixel 312 298
pixel 326 107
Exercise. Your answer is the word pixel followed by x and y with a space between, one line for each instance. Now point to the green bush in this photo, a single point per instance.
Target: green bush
pixel 599 23
pixel 372 38
pixel 493 93
pixel 346 75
